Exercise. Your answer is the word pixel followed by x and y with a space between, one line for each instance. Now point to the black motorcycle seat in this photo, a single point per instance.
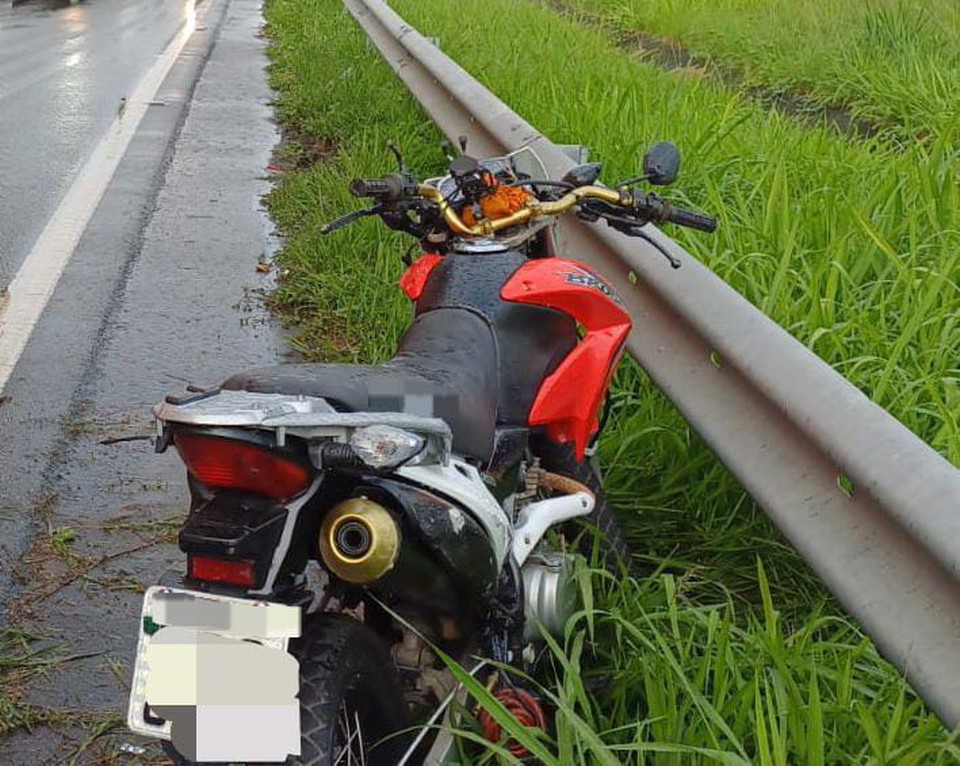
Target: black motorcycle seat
pixel 446 367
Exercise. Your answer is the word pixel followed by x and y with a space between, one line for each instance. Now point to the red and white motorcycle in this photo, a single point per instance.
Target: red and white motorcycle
pixel 348 521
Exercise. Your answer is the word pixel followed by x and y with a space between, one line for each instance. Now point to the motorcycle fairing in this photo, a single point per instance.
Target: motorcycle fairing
pixel 414 279
pixel 569 399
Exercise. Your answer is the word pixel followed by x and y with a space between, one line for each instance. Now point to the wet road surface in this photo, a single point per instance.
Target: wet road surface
pixel 164 289
pixel 64 67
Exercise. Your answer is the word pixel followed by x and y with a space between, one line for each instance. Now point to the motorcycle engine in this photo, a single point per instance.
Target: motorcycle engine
pixel 551 594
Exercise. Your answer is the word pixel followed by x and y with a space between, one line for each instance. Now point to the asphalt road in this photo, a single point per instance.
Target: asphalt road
pixel 162 289
pixel 64 67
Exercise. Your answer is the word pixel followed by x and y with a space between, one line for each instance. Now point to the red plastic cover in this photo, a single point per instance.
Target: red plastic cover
pixel 414 279
pixel 569 400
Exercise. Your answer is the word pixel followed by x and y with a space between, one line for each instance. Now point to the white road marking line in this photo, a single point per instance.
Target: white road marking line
pixel 35 281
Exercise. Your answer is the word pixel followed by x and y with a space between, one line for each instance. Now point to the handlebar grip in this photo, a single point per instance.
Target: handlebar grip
pixel 377 188
pixel 691 219
pixel 392 187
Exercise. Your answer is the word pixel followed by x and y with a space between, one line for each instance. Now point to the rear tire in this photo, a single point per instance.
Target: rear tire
pixel 614 550
pixel 347 683
pixel 345 668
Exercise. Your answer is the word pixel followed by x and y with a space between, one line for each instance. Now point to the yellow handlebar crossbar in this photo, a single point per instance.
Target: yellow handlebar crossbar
pixel 534 209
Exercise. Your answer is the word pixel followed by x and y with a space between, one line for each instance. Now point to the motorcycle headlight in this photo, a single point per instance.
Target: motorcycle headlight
pixel 385 446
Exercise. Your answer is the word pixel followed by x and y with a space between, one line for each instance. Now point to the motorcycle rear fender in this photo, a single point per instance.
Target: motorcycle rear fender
pixel 233 525
pixel 239 525
pixel 462 483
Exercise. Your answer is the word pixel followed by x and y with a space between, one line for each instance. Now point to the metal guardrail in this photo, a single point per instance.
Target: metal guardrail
pixel 790 428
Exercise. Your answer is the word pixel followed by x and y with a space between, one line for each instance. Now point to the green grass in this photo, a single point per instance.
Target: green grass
pixel 852 247
pixel 894 63
pixel 711 684
pixel 20 660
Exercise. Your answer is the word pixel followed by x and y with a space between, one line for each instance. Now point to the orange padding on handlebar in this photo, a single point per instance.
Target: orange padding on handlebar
pixel 505 201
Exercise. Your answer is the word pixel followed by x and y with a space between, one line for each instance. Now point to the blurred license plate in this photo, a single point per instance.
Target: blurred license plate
pixel 219 664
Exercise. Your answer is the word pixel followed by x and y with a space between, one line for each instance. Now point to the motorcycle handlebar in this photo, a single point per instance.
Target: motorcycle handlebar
pixel 534 209
pixel 390 188
pixel 654 208
pixel 369 187
pixel 691 219
pixel 395 187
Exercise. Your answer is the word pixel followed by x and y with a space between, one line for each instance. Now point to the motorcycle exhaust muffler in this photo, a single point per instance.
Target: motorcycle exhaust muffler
pixel 410 547
pixel 359 541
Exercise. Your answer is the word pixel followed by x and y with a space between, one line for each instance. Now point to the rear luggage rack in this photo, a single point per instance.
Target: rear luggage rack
pixel 306 417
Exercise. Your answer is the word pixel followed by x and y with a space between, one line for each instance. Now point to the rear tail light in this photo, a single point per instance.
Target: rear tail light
pixel 232 464
pixel 229 571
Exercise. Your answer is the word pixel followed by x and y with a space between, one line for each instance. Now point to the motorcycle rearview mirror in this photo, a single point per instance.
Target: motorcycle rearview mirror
pixel 582 175
pixel 464 165
pixel 661 163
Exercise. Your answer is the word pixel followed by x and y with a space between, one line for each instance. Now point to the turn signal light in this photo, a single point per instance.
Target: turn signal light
pixel 233 464
pixel 228 571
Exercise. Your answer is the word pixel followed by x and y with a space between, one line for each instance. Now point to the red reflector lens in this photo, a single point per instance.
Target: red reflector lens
pixel 232 464
pixel 227 571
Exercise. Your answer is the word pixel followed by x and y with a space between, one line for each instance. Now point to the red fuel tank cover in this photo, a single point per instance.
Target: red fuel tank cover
pixel 414 279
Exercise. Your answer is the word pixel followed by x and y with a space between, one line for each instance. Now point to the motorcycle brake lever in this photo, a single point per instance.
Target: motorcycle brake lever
pixel 349 218
pixel 591 210
pixel 633 228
